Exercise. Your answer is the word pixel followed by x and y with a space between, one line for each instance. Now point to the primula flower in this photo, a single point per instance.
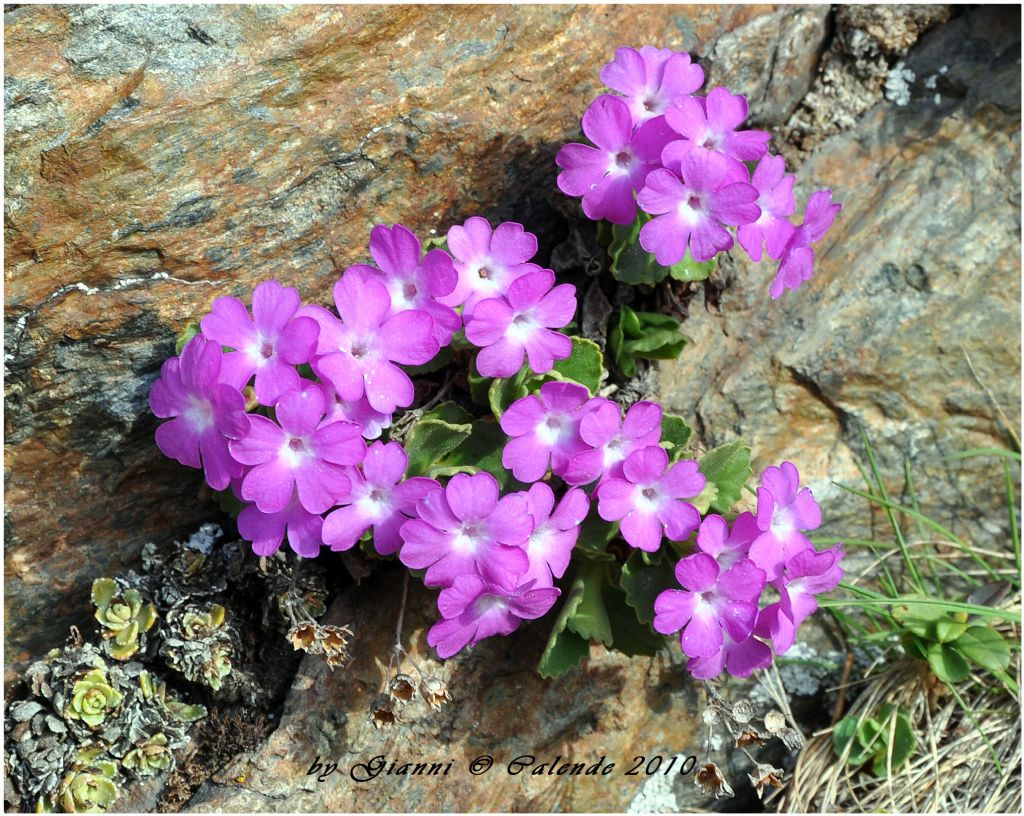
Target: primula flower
pixel 607 176
pixel 611 439
pixel 808 574
pixel 300 452
pixel 740 658
pixel 692 211
pixel 555 531
pixel 474 608
pixel 267 530
pixel 508 330
pixel 378 498
pixel 709 125
pixel 712 601
pixel 784 513
pixel 204 412
pixel 725 545
pixel 414 282
pixel 487 261
pixel 773 229
pixel 357 354
pixel 465 527
pixel 544 430
pixel 358 411
pixel 650 78
pixel 649 498
pixel 798 259
pixel 269 344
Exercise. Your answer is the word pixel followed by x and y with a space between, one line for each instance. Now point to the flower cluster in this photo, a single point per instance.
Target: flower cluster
pixel 686 161
pixel 724 625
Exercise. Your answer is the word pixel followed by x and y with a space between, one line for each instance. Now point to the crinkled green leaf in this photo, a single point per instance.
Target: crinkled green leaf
pixel 690 270
pixel 583 366
pixel 565 649
pixel 728 467
pixel 947 663
pixel 631 263
pixel 588 618
pixel 985 646
pixel 643 583
pixel 434 435
pixel 629 635
pixel 675 435
pixel 480 450
pixel 506 390
pixel 595 533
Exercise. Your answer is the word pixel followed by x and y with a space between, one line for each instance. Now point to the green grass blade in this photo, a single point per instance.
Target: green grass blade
pixel 1004 452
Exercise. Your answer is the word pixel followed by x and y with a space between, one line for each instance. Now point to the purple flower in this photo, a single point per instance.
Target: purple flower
pixel 378 498
pixel 474 608
pixel 487 261
pixel 611 439
pixel 692 211
pixel 649 498
pixel 608 175
pixel 784 513
pixel 267 530
pixel 555 531
pixel 358 411
pixel 357 354
pixel 773 229
pixel 808 574
pixel 713 601
pixel 204 412
pixel 727 546
pixel 268 345
pixel 544 430
pixel 709 125
pixel 465 527
pixel 414 282
pixel 740 658
pixel 508 330
pixel 798 259
pixel 299 453
pixel 651 78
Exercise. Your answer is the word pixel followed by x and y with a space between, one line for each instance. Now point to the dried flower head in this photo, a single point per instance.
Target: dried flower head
pixel 434 692
pixel 302 636
pixel 711 781
pixel 402 689
pixel 334 644
pixel 765 775
pixel 382 712
pixel 748 738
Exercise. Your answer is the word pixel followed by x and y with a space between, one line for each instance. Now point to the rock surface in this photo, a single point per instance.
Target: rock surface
pixel 159 156
pixel 614 707
pixel 918 281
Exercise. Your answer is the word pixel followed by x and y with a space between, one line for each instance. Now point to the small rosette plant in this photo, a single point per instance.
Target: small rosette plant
pixel 443 414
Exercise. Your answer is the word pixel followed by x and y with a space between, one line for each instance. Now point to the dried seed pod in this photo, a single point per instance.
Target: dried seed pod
pixel 765 775
pixel 711 781
pixel 748 738
pixel 402 689
pixel 333 642
pixel 774 721
pixel 743 711
pixel 434 692
pixel 382 712
pixel 302 636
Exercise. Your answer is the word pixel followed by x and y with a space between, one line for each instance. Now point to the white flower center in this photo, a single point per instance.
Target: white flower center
pixel 468 537
pixel 691 208
pixel 489 603
pixel 552 430
pixel 294 451
pixel 522 327
pixel 647 499
pixel 199 414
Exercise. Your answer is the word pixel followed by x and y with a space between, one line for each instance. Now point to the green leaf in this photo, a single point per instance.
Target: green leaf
pixel 675 435
pixel 440 360
pixel 506 390
pixel 191 330
pixel 479 387
pixel 642 584
pixel 850 732
pixel 728 467
pixel 583 366
pixel 947 664
pixel 433 436
pixel 589 619
pixel 229 502
pixel 435 242
pixel 629 635
pixel 595 533
pixel 565 649
pixel 948 630
pixel 630 263
pixel 843 734
pixel 897 737
pixel 480 450
pixel 985 646
pixel 689 270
